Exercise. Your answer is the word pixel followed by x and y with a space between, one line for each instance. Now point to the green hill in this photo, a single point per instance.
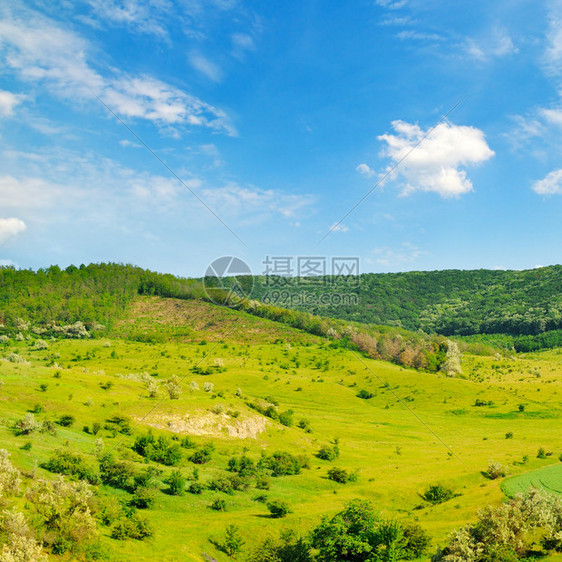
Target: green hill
pixel 188 419
pixel 449 302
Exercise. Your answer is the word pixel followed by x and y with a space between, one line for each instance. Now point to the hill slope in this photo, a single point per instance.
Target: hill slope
pixel 449 302
pixel 416 429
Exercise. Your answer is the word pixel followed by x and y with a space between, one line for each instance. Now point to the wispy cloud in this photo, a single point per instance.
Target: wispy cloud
pixel 498 43
pixel 397 257
pixel 42 52
pixel 550 185
pixel 143 16
pixel 206 67
pixel 435 164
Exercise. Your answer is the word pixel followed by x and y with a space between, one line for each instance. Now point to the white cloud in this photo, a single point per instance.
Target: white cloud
pixel 550 185
pixel 365 170
pixel 391 4
pixel 396 257
pixel 206 67
pixel 553 53
pixel 434 163
pixel 419 35
pixel 9 228
pixel 143 16
pixel 339 227
pixel 553 116
pixel 41 51
pixel 254 203
pixel 497 44
pixel 241 43
pixel 8 101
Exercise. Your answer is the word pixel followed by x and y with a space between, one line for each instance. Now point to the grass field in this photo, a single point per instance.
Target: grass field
pixel 548 478
pixel 418 429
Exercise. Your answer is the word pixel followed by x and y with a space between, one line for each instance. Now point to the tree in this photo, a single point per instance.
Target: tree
pixel 347 536
pixel 233 542
pixel 173 387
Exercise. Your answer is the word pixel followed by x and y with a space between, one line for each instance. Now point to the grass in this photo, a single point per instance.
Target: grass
pixel 417 430
pixel 548 478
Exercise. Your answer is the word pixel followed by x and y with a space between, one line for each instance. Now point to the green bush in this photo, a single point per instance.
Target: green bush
pixel 160 449
pixel 71 464
pixel 438 493
pixel 218 505
pixel 365 394
pixel 143 498
pixel 282 463
pixel 176 483
pixel 195 488
pixel 278 508
pixel 66 420
pixel 341 476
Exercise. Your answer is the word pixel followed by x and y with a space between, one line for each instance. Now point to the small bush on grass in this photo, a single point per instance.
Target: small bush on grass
pixel 176 482
pixel 71 464
pixel 278 508
pixel 437 493
pixel 342 476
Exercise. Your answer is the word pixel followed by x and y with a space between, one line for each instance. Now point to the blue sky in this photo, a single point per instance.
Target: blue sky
pixel 279 117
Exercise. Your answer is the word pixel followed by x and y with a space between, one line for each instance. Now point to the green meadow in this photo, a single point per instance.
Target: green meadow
pixel 416 429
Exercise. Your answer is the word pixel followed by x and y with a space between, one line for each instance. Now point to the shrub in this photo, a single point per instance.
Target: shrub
pixel 327 453
pixel 495 470
pixel 218 505
pixel 176 483
pixel 117 473
pixel 243 465
pixel 132 526
pixel 365 394
pixel 122 424
pixel 27 424
pixel 202 455
pixel 143 498
pixel 278 508
pixel 286 418
pixel 71 464
pixel 438 493
pixel 40 345
pixel 283 464
pixel 173 387
pixel 541 454
pixel 66 420
pixel 264 483
pixel 159 449
pixel 232 543
pixel 10 480
pixel 341 476
pixel 195 488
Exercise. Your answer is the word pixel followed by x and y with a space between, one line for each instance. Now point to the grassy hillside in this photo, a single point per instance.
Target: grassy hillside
pixel 416 430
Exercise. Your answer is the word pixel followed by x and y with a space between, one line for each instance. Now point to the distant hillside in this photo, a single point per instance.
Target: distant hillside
pixel 449 302
pixel 101 298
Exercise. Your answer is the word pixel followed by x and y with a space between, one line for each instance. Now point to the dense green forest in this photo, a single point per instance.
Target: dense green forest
pixel 450 302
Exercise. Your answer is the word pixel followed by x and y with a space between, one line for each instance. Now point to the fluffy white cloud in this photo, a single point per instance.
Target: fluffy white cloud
pixel 365 170
pixel 553 116
pixel 398 257
pixel 431 160
pixel 8 102
pixel 41 51
pixel 550 185
pixel 9 228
